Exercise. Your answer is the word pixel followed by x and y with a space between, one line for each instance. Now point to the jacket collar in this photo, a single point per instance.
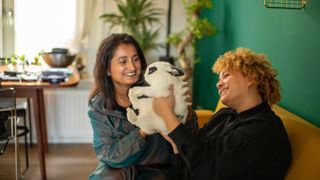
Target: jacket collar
pixel 97 104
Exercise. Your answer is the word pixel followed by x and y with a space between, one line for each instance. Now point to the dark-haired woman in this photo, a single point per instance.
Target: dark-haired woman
pixel 124 151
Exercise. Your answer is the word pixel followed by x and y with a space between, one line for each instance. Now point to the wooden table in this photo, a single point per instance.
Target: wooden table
pixel 34 90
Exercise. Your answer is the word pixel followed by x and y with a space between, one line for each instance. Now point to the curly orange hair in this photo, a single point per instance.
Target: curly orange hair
pixel 254 66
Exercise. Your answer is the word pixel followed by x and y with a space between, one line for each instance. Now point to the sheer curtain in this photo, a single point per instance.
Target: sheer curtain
pixel 89 31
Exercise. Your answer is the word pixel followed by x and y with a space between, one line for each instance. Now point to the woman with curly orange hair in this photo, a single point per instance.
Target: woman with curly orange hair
pixel 247 140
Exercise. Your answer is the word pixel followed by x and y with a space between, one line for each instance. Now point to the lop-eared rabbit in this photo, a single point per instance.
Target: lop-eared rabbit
pixel 159 76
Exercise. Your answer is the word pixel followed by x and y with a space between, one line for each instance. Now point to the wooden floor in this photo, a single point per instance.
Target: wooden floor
pixel 64 161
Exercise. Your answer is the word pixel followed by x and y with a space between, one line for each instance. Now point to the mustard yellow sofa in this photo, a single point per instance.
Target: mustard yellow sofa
pixel 304 139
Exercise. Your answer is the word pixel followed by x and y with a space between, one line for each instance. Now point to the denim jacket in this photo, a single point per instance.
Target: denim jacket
pixel 117 142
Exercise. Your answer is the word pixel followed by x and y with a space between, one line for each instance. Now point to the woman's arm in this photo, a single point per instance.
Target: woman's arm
pixel 164 107
pixel 192 122
pixel 113 147
pixel 120 148
pixel 246 145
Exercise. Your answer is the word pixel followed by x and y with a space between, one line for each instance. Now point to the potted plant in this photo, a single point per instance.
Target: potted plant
pixel 138 18
pixel 15 62
pixel 196 29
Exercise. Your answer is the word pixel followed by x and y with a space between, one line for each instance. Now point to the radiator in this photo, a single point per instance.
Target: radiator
pixel 66 114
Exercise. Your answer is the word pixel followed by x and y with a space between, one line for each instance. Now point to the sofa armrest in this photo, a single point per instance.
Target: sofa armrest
pixel 305 145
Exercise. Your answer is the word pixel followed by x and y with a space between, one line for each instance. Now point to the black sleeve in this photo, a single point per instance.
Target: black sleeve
pixel 221 155
pixel 192 122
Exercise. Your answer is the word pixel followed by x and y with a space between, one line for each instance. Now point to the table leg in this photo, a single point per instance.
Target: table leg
pixel 38 105
pixel 42 113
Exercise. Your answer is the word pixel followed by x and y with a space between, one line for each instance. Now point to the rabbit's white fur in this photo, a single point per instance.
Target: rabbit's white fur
pixel 159 76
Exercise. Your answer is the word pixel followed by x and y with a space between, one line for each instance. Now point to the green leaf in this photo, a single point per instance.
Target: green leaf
pixel 13 60
pixel 136 17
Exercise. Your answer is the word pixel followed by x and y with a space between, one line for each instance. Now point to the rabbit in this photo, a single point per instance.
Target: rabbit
pixel 159 76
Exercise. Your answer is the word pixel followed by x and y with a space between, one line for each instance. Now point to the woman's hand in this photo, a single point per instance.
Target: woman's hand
pixel 164 107
pixel 142 134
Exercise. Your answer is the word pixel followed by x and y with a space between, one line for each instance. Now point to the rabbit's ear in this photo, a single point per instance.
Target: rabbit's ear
pixel 175 71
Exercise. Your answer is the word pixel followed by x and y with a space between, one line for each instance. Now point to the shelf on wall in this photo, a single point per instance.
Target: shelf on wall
pixel 285 4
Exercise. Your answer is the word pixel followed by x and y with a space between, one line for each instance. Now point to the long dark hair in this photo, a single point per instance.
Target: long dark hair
pixel 106 50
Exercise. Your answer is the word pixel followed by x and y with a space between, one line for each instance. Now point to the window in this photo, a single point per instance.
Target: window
pixel 43 25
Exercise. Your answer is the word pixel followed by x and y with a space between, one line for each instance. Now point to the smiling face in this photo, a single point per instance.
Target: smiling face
pixel 233 88
pixel 125 68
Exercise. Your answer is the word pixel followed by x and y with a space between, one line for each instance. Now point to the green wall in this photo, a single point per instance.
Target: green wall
pixel 290 38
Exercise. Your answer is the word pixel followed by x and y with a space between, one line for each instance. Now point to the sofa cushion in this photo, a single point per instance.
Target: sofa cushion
pixel 203 116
